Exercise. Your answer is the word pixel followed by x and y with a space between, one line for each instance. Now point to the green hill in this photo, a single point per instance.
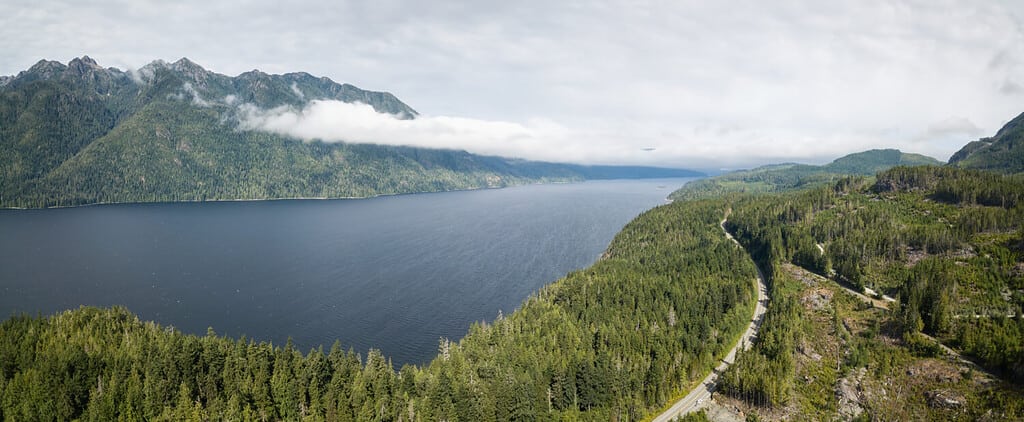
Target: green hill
pixel 873 161
pixel 80 133
pixel 1002 153
pixel 791 176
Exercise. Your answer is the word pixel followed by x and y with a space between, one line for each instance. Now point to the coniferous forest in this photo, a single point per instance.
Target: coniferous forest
pixel 621 339
pixel 945 243
pixel 895 292
pixel 616 340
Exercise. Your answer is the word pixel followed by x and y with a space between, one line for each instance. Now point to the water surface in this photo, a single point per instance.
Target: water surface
pixel 393 273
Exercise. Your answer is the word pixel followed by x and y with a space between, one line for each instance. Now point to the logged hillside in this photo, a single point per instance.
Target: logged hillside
pixel 616 340
pixel 945 243
pixel 79 134
pixel 788 177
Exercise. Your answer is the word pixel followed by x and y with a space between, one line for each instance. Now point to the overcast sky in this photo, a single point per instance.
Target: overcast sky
pixel 677 83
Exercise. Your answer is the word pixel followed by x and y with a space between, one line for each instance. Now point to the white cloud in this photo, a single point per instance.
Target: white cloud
pixel 297 91
pixel 187 91
pixel 137 76
pixel 197 98
pixel 729 82
pixel 336 121
pixel 539 139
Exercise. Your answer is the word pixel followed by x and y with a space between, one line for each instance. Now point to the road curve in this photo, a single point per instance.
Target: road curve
pixel 700 395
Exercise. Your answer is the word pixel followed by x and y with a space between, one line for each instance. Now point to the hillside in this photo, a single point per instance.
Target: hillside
pixel 80 133
pixel 945 243
pixel 1003 152
pixel 791 176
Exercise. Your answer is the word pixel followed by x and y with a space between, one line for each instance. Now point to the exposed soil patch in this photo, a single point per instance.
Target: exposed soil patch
pixel 914 256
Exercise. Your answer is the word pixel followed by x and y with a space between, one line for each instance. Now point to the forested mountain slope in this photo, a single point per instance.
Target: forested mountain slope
pixel 790 176
pixel 79 133
pixel 1002 153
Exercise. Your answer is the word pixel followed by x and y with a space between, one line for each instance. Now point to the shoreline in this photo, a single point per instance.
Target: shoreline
pixel 296 198
pixel 326 198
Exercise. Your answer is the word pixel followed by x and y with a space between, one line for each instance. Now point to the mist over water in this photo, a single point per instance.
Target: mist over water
pixel 393 273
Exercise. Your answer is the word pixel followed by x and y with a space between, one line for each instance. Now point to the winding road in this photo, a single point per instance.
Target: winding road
pixel 700 395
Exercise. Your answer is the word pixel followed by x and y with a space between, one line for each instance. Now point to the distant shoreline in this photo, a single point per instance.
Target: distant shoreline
pixel 326 198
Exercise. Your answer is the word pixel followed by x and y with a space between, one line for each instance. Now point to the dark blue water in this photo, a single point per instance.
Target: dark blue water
pixel 392 273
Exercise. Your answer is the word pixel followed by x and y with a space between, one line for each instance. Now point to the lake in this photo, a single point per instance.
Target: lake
pixel 394 273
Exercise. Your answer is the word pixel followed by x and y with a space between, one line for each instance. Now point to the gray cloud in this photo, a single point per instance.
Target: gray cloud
pixel 1010 87
pixel 953 126
pixel 709 84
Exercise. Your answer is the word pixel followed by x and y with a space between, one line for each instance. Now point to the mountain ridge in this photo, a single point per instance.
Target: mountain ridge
pixel 80 133
pixel 1003 152
pixel 791 176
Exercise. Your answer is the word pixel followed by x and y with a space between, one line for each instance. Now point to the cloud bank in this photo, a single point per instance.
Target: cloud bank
pixel 537 139
pixel 337 121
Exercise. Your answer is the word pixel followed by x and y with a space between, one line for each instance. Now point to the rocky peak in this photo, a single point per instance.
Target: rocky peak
pixel 47 68
pixel 156 64
pixel 85 60
pixel 187 66
pixel 148 72
pixel 192 71
pixel 253 74
pixel 83 65
pixel 153 66
pixel 184 64
pixel 255 86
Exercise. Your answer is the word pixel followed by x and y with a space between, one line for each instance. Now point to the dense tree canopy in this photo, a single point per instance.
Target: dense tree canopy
pixel 617 339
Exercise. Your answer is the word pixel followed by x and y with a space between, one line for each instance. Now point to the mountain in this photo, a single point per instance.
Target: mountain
pixel 873 161
pixel 81 133
pixel 1002 153
pixel 790 176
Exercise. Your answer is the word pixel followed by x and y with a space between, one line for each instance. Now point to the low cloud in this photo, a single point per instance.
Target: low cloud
pixel 197 99
pixel 297 91
pixel 336 121
pixel 142 75
pixel 187 90
pixel 592 142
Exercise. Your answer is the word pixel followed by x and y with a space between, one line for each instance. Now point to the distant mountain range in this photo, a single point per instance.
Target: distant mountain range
pixel 81 133
pixel 1002 153
pixel 790 176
